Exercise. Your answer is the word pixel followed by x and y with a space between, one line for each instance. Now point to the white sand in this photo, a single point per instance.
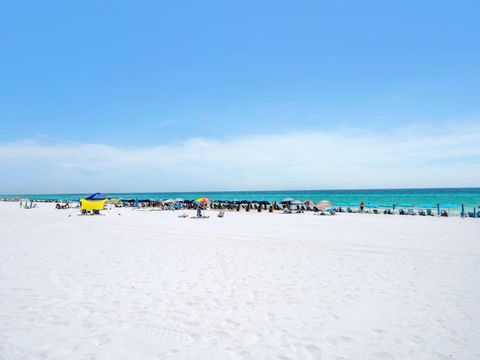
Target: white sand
pixel 148 285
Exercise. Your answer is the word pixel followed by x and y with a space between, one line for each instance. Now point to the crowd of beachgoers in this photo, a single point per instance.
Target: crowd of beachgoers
pixel 287 206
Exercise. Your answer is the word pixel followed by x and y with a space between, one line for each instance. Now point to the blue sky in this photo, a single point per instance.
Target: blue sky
pixel 139 76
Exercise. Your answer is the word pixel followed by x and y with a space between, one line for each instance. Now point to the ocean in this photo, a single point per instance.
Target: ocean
pixel 450 198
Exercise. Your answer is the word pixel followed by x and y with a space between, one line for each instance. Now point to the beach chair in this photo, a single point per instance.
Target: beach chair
pixel 422 213
pixel 221 214
pixel 349 210
pixel 287 211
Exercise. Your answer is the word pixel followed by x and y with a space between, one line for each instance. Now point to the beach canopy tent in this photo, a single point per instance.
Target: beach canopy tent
pixel 96 197
pixel 92 205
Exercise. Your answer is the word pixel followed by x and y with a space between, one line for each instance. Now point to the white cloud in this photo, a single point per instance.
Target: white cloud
pixel 409 157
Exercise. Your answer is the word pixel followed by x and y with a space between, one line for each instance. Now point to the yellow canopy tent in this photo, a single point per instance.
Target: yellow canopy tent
pixel 92 205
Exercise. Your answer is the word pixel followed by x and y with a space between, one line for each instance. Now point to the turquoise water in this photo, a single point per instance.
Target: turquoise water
pixel 450 198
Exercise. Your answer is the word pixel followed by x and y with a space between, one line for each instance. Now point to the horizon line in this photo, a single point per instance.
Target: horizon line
pixel 249 191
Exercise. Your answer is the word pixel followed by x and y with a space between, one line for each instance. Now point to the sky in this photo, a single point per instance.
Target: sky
pixel 120 96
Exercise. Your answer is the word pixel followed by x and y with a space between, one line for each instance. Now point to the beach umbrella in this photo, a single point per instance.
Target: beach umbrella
pixel 202 201
pixel 245 202
pixel 297 202
pixel 263 202
pixel 287 200
pixel 324 203
pixel 168 201
pixel 178 200
pixel 309 202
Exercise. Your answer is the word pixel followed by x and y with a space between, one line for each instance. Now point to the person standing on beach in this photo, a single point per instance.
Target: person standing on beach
pixel 362 206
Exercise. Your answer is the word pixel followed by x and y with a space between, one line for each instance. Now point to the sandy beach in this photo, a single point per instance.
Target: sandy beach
pixel 134 284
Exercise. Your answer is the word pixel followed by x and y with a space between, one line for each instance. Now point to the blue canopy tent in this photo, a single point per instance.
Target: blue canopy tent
pixel 96 197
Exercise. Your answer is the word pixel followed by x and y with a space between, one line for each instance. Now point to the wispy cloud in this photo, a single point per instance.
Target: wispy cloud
pixel 410 157
pixel 164 123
